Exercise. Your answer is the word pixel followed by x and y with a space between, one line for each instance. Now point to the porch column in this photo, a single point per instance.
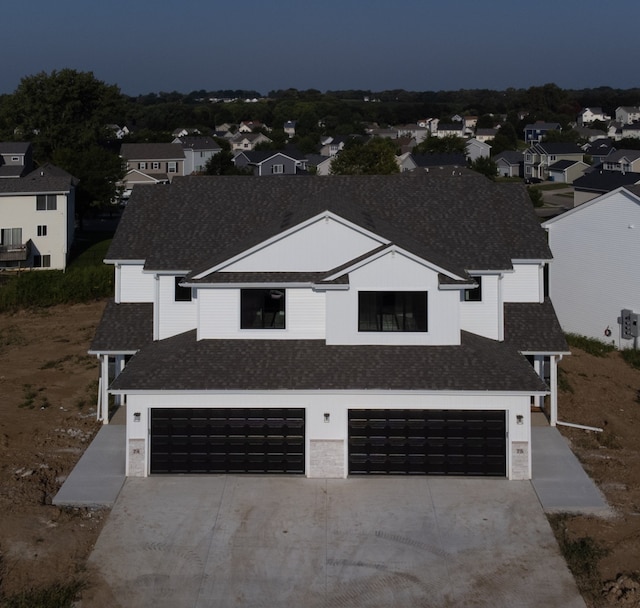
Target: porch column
pixel 553 398
pixel 538 366
pixel 104 387
pixel 119 366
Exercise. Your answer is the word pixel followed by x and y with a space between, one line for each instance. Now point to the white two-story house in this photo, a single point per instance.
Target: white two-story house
pixel 37 219
pixel 330 327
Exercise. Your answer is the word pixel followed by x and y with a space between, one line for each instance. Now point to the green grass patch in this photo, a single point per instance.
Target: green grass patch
pixel 86 279
pixel 563 382
pixel 594 347
pixel 552 186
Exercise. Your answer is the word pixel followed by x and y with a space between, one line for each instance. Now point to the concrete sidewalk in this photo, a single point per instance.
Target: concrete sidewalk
pixel 559 479
pixel 99 475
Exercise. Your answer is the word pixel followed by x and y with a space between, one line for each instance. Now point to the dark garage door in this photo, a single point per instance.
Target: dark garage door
pixel 238 440
pixel 427 442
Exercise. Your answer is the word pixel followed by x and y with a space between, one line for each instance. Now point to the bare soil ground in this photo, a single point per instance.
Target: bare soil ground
pixel 48 388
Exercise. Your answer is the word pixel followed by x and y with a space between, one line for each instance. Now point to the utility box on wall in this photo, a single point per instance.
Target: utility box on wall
pixel 629 324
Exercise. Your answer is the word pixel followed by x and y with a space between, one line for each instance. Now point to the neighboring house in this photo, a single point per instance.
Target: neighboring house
pixel 623 160
pixel 589 115
pixel 184 132
pixel 486 135
pixel 416 132
pixel 590 135
pixel 330 327
pixel 477 149
pixel 37 219
pixel 567 171
pixel 16 159
pixel 450 130
pixel 319 164
pixel 626 115
pixel 536 131
pixel 452 160
pixel 599 150
pixel 197 152
pixel 150 164
pixel 330 146
pixel 290 128
pixel 249 126
pixel 631 131
pixel 268 162
pixel 510 163
pixel 598 182
pixel 540 156
pixel 242 142
pixel 592 279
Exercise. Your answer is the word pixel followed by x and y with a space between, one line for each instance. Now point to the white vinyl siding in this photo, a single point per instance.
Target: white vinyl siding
pixel 482 317
pixel 393 272
pixel 592 276
pixel 219 316
pixel 321 246
pixel 134 285
pixel 173 317
pixel 524 284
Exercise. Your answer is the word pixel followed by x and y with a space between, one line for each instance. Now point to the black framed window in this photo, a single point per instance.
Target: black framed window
pixel 262 308
pixel 182 294
pixel 404 311
pixel 46 202
pixel 475 294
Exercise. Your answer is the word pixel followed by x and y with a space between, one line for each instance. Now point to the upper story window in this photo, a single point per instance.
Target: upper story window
pixel 155 165
pixel 142 166
pixel 172 167
pixel 42 261
pixel 277 169
pixel 262 308
pixel 42 231
pixel 404 311
pixel 46 202
pixel 182 294
pixel 475 294
pixel 10 236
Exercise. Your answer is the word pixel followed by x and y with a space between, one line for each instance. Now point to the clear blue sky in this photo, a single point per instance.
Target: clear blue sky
pixel 420 45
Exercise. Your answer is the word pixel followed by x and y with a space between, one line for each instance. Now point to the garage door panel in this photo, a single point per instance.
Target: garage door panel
pixel 234 440
pixel 434 442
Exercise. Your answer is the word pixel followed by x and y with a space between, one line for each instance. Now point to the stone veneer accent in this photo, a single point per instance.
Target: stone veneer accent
pixel 520 460
pixel 137 460
pixel 327 458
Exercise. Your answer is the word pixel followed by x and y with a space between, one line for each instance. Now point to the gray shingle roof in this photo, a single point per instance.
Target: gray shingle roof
pixel 124 328
pixel 45 179
pixel 152 151
pixel 532 327
pixel 184 363
pixel 466 221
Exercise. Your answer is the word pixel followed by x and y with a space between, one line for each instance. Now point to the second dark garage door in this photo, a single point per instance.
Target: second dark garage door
pixel 428 442
pixel 230 440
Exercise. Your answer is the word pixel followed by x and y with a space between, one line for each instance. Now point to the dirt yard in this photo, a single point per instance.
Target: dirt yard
pixel 48 388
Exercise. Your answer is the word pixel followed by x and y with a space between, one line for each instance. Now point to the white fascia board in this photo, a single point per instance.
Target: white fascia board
pixel 123 262
pixel 393 250
pixel 112 353
pixel 529 261
pixel 171 273
pixel 332 392
pixel 271 285
pixel 326 215
pixel 545 353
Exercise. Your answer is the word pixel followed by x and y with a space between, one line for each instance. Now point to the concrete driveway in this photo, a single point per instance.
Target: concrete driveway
pixel 244 541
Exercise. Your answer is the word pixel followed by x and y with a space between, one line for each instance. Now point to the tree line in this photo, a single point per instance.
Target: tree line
pixel 65 115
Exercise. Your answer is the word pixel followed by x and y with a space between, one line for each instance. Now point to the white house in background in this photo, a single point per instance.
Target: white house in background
pixel 475 149
pixel 348 325
pixel 37 219
pixel 197 149
pixel 593 277
pixel 589 115
pixel 627 114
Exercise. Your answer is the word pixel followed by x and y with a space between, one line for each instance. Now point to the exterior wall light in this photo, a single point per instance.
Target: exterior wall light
pixel 520 419
pixel 136 417
pixel 327 416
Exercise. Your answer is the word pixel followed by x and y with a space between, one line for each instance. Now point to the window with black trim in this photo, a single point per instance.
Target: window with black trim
pixel 475 294
pixel 42 231
pixel 46 202
pixel 42 261
pixel 262 308
pixel 181 293
pixel 402 311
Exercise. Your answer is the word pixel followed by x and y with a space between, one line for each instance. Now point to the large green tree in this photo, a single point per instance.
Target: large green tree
pixel 441 145
pixel 63 109
pixel 375 157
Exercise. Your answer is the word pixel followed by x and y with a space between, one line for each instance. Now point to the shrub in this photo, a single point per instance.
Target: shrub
pixel 632 357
